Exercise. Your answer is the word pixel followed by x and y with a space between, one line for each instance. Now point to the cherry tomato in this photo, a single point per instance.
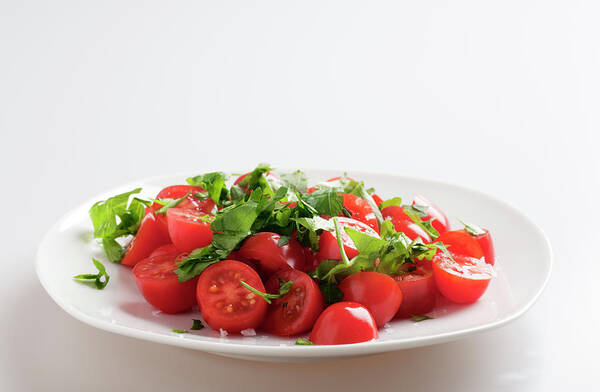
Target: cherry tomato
pixel 487 246
pixel 344 323
pixel 190 202
pixel 441 222
pixel 378 200
pixel 360 210
pixel 224 302
pixel 297 311
pixel 168 249
pixel 463 280
pixel 189 229
pixel 378 292
pixel 461 243
pixel 403 223
pixel 149 236
pixel 264 248
pixel 158 283
pixel 328 246
pixel 418 292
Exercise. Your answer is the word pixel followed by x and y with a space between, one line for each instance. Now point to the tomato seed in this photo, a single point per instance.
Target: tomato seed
pixel 213 288
pixel 229 308
pixel 250 295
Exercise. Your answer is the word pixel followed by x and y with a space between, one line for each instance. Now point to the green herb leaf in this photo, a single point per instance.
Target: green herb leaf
pixel 171 203
pixel 416 214
pixel 179 331
pixel 197 325
pixel 283 240
pixel 395 201
pixel 472 229
pixel 284 288
pixel 296 180
pixel 214 184
pixel 417 318
pixel 325 202
pixel 95 279
pixel 303 342
pixel 331 293
pixel 256 179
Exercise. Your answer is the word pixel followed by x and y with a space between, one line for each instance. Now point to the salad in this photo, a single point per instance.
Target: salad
pixel 326 264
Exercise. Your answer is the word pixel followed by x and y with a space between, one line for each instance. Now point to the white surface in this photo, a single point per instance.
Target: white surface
pixel 523 268
pixel 503 97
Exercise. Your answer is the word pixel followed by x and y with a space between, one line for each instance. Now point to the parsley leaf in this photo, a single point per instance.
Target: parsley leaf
pixel 417 318
pixel 95 279
pixel 296 180
pixel 170 203
pixel 284 288
pixel 472 229
pixel 395 201
pixel 331 293
pixel 416 213
pixel 197 325
pixel 257 179
pixel 325 202
pixel 179 330
pixel 303 342
pixel 214 184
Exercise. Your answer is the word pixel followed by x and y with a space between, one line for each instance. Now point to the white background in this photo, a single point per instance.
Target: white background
pixel 502 96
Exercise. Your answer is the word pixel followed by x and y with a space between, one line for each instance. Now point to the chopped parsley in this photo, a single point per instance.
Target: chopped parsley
pixel 99 280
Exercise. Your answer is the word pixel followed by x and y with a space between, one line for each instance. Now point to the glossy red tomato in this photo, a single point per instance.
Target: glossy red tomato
pixel 418 292
pixel 344 323
pixel 441 222
pixel 376 291
pixel 461 243
pixel 378 200
pixel 264 248
pixel 463 280
pixel 297 311
pixel 328 246
pixel 190 202
pixel 224 302
pixel 168 249
pixel 189 229
pixel 150 236
pixel 360 210
pixel 487 246
pixel 403 223
pixel 158 283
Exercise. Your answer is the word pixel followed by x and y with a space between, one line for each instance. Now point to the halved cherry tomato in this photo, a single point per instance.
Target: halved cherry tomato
pixel 158 283
pixel 461 243
pixel 328 246
pixel 360 210
pixel 189 229
pixel 418 292
pixel 224 302
pixel 378 200
pixel 463 280
pixel 149 236
pixel 168 249
pixel 297 311
pixel 190 202
pixel 487 246
pixel 378 292
pixel 264 248
pixel 344 323
pixel 441 222
pixel 403 223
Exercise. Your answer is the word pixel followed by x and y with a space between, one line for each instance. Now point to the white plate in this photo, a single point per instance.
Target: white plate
pixel 524 261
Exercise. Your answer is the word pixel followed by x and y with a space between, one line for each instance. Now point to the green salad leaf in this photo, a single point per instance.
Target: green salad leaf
pixel 99 280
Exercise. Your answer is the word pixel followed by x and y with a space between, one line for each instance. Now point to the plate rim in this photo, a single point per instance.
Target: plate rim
pixel 291 351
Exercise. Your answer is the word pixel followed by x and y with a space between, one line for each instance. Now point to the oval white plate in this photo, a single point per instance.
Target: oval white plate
pixel 524 261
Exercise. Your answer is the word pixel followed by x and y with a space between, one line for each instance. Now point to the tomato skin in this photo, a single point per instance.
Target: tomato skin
pixel 344 323
pixel 461 243
pixel 168 249
pixel 186 229
pixel 224 302
pixel 462 281
pixel 264 248
pixel 376 291
pixel 283 317
pixel 328 246
pixel 378 200
pixel 403 223
pixel 190 202
pixel 149 236
pixel 487 246
pixel 360 210
pixel 441 222
pixel 418 292
pixel 158 284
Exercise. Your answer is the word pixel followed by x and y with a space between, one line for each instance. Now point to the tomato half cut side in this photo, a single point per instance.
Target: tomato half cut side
pixel 328 246
pixel 360 210
pixel 190 202
pixel 376 291
pixel 418 292
pixel 441 222
pixel 224 302
pixel 264 248
pixel 487 246
pixel 462 280
pixel 297 311
pixel 461 243
pixel 189 229
pixel 403 223
pixel 344 323
pixel 149 236
pixel 158 284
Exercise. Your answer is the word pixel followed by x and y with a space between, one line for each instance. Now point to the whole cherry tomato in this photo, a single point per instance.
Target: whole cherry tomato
pixel 461 243
pixel 344 323
pixel 441 222
pixel 264 248
pixel 328 246
pixel 403 223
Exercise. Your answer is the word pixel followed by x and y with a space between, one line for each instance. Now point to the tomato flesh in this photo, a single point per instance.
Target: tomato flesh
pixel 297 311
pixel 403 223
pixel 264 248
pixel 189 229
pixel 463 280
pixel 418 292
pixel 376 291
pixel 149 236
pixel 461 243
pixel 441 222
pixel 344 323
pixel 158 284
pixel 190 202
pixel 224 302
pixel 328 246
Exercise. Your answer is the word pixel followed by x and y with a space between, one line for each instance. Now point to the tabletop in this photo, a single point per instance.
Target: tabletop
pixel 498 96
